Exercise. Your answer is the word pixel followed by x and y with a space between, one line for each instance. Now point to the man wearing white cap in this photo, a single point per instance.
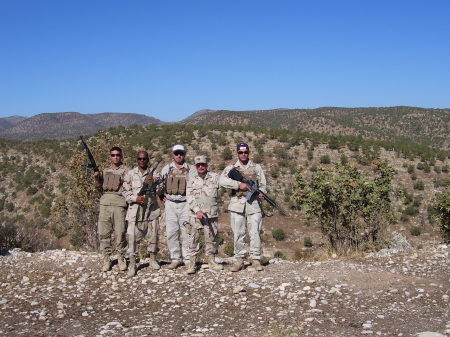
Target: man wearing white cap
pixel 201 193
pixel 245 213
pixel 176 175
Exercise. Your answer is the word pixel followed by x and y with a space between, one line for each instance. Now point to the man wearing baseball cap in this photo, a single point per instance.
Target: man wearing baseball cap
pixel 245 213
pixel 201 193
pixel 175 176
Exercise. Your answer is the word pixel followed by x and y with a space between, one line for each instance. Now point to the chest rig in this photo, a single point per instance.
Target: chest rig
pixel 176 181
pixel 248 173
pixel 112 182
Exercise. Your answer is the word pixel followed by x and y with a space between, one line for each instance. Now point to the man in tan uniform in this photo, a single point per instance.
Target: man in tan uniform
pixel 245 213
pixel 201 193
pixel 175 176
pixel 143 211
pixel 112 209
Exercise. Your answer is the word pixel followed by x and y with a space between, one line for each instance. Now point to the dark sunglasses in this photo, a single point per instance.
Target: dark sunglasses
pixel 200 164
pixel 178 153
pixel 142 158
pixel 115 155
pixel 243 152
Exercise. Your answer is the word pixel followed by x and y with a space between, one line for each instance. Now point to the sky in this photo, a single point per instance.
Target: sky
pixel 168 59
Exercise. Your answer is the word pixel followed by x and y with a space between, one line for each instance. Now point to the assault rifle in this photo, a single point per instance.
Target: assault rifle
pixel 92 164
pixel 253 189
pixel 147 187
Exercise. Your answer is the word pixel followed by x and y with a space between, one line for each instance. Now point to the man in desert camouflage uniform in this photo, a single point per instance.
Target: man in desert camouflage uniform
pixel 175 176
pixel 112 209
pixel 143 211
pixel 245 213
pixel 201 193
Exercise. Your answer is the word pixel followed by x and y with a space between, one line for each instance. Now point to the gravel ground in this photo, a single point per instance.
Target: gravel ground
pixel 63 293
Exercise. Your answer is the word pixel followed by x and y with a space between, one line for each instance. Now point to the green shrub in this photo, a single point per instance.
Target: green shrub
pixel 419 185
pixel 325 159
pixel 411 211
pixel 415 230
pixel 353 208
pixel 226 154
pixel 228 249
pixel 307 242
pixel 278 234
pixel 439 211
pixel 279 255
pixel 411 169
pixel 310 155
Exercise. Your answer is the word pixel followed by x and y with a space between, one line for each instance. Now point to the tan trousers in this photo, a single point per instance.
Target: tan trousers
pixel 136 232
pixel 112 219
pixel 177 221
pixel 240 222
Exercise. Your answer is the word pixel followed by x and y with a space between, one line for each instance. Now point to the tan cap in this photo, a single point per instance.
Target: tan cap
pixel 200 160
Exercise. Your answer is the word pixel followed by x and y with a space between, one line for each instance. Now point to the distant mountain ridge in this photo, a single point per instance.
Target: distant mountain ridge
pixel 62 125
pixel 411 124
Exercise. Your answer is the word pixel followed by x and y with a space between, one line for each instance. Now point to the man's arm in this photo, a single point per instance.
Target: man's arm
pixel 127 191
pixel 227 182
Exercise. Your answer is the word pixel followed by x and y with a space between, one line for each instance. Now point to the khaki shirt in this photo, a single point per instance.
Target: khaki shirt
pixel 114 198
pixel 132 184
pixel 165 172
pixel 201 193
pixel 240 204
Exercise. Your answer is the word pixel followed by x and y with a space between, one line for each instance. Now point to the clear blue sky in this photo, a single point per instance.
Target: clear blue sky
pixel 168 59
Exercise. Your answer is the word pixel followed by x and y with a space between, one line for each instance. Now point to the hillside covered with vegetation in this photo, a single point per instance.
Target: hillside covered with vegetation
pixel 47 198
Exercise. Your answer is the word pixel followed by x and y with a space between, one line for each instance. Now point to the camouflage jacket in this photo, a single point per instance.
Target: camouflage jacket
pixel 238 203
pixel 132 184
pixel 201 193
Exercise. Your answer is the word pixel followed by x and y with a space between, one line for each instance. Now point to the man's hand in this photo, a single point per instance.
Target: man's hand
pixel 243 187
pixel 140 199
pixel 260 195
pixel 200 215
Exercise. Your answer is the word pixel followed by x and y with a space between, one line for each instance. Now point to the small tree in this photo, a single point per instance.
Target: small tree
pixel 440 212
pixel 353 209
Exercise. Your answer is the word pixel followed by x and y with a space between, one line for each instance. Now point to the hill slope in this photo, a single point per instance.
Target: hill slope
pixel 411 124
pixel 64 125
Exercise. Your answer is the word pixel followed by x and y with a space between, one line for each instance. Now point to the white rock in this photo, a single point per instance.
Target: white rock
pixel 430 334
pixel 85 313
pixel 312 303
pixel 3 301
pixel 254 285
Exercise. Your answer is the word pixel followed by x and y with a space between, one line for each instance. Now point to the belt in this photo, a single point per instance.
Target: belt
pixel 176 201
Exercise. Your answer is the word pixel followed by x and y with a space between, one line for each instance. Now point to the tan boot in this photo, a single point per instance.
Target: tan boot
pixel 237 265
pixel 122 263
pixel 192 266
pixel 213 264
pixel 257 265
pixel 132 267
pixel 106 263
pixel 153 263
pixel 174 265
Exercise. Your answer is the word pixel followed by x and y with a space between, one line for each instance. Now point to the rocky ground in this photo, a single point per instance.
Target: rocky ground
pixel 63 293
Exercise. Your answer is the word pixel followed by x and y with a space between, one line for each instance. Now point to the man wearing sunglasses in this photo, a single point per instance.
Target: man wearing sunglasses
pixel 175 176
pixel 143 211
pixel 112 209
pixel 201 193
pixel 245 214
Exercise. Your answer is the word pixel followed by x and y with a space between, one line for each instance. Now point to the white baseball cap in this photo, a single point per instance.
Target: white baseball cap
pixel 178 147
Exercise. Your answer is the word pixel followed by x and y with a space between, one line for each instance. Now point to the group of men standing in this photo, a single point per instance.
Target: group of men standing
pixel 189 194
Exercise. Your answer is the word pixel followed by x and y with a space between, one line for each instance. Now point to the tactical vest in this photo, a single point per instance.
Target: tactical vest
pixel 176 181
pixel 111 182
pixel 248 173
